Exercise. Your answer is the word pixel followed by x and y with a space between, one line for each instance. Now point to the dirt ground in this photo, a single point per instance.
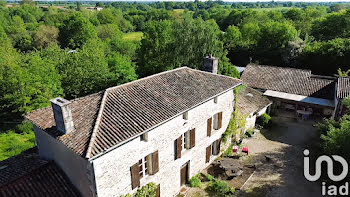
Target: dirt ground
pixel 278 156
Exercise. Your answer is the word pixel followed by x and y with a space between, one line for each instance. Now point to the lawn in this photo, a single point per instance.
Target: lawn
pixel 133 36
pixel 13 142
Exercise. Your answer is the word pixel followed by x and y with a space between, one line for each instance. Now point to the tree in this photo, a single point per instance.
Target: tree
pixel 275 35
pixel 167 45
pixel 45 36
pixel 335 25
pixel 108 31
pixel 232 37
pixel 27 82
pixel 154 51
pixel 121 68
pixel 27 2
pixel 84 71
pixel 76 31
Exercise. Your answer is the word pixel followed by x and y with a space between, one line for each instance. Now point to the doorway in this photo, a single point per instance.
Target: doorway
pixel 184 173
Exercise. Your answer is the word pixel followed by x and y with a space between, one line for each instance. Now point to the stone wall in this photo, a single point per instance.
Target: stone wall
pixel 112 170
pixel 73 165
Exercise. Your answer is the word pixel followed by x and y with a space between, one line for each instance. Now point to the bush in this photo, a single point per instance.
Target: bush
pixel 264 120
pixel 228 152
pixel 148 190
pixel 221 188
pixel 209 177
pixel 249 133
pixel 195 181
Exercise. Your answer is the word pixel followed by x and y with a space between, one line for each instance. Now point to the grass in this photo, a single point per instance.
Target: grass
pixel 13 142
pixel 133 36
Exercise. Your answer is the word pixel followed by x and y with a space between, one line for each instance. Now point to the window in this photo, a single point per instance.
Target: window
pixel 143 167
pixel 185 116
pixel 216 100
pixel 144 137
pixel 216 121
pixel 185 141
pixel 148 165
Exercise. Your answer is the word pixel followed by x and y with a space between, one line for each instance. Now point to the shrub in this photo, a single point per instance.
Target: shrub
pixel 148 190
pixel 249 133
pixel 228 152
pixel 221 188
pixel 195 181
pixel 263 120
pixel 209 177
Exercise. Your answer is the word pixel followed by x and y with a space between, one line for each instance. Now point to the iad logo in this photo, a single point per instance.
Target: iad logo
pixel 332 189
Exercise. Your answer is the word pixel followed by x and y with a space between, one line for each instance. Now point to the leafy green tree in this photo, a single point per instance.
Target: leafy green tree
pixel 108 31
pixel 27 2
pixel 76 31
pixel 154 51
pixel 84 71
pixel 276 35
pixel 167 45
pixel 232 37
pixel 318 56
pixel 27 82
pixel 250 34
pixel 121 68
pixel 45 36
pixel 335 25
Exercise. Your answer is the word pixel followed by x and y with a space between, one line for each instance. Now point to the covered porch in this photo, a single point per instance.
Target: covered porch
pixel 303 107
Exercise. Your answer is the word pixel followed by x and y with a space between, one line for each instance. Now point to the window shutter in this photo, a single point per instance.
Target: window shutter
pixel 207 156
pixel 220 120
pixel 158 191
pixel 178 143
pixel 193 138
pixel 155 162
pixel 218 145
pixel 209 127
pixel 135 176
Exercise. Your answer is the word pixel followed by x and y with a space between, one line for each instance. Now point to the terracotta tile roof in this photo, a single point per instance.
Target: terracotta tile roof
pixel 15 167
pixel 28 175
pixel 84 112
pixel 289 80
pixel 128 110
pixel 250 101
pixel 343 89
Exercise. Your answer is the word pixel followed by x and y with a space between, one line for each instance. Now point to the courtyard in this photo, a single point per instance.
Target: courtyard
pixel 277 154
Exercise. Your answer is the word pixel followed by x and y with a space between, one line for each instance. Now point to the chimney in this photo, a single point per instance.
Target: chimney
pixel 211 64
pixel 63 115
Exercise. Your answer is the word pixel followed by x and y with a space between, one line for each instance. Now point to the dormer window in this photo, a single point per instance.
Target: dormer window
pixel 144 137
pixel 216 100
pixel 185 116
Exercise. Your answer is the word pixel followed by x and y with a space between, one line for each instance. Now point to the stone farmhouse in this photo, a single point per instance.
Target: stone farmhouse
pixel 164 128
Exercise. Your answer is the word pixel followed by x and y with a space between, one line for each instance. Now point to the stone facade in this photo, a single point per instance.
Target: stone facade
pixel 112 170
pixel 76 168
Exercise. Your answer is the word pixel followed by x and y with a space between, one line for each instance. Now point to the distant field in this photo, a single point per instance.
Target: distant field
pixel 133 36
pixel 178 11
pixel 269 9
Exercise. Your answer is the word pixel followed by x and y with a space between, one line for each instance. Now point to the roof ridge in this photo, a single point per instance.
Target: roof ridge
pixel 97 123
pixel 278 67
pixel 101 108
pixel 148 77
pixel 215 74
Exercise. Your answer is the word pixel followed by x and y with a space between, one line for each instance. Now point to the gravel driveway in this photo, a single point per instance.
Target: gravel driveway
pixel 278 155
